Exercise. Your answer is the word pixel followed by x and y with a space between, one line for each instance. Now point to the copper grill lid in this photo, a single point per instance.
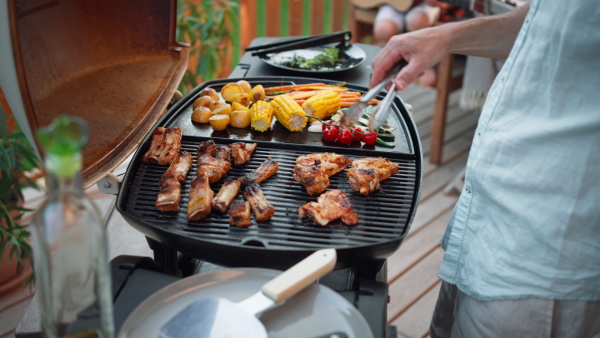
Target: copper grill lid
pixel 114 63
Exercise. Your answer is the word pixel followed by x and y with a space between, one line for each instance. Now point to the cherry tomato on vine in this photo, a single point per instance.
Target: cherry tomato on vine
pixel 369 137
pixel 330 134
pixel 326 124
pixel 357 134
pixel 345 137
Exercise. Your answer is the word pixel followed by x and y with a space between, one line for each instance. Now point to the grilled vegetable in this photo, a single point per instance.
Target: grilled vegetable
pixel 224 109
pixel 219 121
pixel 322 105
pixel 203 101
pixel 239 106
pixel 257 93
pixel 246 87
pixel 201 115
pixel 261 115
pixel 210 92
pixel 229 90
pixel 289 113
pixel 240 118
pixel 241 98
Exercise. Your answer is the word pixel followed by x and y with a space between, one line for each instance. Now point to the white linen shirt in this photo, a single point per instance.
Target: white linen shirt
pixel 527 223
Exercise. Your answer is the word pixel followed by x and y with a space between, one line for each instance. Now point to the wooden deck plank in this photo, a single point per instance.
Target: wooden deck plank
pixel 417 246
pixel 415 321
pixel 415 283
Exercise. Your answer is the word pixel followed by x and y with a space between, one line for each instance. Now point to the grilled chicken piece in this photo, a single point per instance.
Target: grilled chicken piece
pixel 263 210
pixel 207 147
pixel 330 206
pixel 312 176
pixel 170 182
pixel 331 163
pixel 164 147
pixel 223 153
pixel 314 170
pixel 239 213
pixel 200 198
pixel 230 189
pixel 267 169
pixel 214 168
pixel 241 152
pixel 366 174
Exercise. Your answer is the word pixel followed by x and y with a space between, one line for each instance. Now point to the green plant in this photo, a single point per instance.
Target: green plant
pixel 16 157
pixel 208 27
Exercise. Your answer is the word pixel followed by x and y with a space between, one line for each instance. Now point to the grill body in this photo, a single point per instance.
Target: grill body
pixel 384 216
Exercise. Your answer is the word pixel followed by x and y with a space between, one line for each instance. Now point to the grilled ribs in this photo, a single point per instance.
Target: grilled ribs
pixel 223 153
pixel 239 213
pixel 241 152
pixel 263 210
pixel 207 147
pixel 170 182
pixel 230 189
pixel 214 168
pixel 366 174
pixel 267 169
pixel 200 198
pixel 164 147
pixel 330 206
pixel 313 170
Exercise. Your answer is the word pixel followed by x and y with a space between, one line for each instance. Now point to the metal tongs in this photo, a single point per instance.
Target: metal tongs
pixel 300 42
pixel 381 111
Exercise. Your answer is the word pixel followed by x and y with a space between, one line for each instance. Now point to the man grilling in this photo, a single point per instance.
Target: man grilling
pixel 522 246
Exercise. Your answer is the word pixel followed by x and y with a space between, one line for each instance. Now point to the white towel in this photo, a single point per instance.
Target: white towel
pixel 477 80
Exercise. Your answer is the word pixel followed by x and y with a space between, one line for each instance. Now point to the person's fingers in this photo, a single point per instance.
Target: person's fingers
pixel 407 75
pixel 383 64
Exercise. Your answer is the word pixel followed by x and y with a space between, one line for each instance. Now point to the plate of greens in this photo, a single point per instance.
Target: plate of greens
pixel 320 59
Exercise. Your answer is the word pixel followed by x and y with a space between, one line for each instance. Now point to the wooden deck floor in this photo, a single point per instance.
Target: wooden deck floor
pixel 412 269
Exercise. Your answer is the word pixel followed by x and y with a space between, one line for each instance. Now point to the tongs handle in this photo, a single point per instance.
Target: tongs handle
pixel 319 40
pixel 378 87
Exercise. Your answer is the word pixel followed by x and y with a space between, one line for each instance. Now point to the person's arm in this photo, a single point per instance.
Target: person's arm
pixel 491 36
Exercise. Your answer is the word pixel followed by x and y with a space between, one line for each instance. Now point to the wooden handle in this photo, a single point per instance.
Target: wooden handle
pixel 301 275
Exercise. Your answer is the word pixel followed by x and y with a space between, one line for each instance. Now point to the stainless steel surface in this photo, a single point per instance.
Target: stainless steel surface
pixel 355 111
pixel 211 318
pixel 382 111
pixel 318 311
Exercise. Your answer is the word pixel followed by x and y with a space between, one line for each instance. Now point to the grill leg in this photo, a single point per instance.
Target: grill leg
pixel 164 256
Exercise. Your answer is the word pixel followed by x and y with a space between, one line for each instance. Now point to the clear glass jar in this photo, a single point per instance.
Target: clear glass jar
pixel 69 241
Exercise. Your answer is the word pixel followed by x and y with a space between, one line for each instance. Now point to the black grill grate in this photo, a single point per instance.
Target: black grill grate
pixel 383 216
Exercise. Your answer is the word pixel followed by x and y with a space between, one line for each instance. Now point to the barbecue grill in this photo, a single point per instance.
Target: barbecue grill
pixel 122 90
pixel 384 216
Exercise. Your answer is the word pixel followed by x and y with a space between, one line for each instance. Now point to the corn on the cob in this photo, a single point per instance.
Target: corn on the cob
pixel 322 105
pixel 289 113
pixel 261 115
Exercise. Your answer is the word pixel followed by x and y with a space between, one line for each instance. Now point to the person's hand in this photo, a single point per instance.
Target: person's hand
pixel 422 49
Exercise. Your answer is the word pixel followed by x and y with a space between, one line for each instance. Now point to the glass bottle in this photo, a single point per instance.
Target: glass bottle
pixel 69 241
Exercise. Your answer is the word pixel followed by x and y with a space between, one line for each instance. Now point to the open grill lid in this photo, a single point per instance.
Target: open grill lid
pixel 114 63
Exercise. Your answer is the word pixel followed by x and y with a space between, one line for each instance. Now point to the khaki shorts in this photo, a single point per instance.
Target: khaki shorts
pixel 459 315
